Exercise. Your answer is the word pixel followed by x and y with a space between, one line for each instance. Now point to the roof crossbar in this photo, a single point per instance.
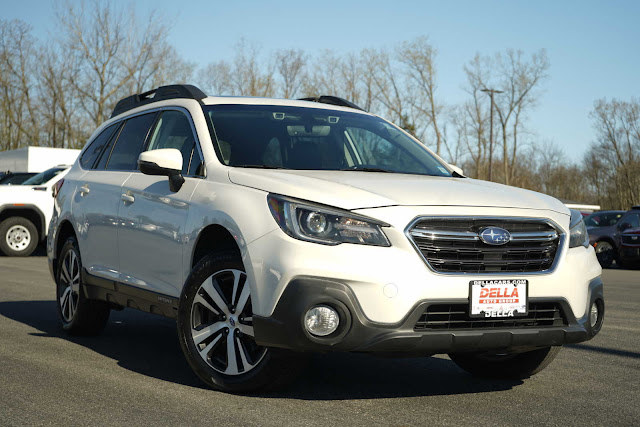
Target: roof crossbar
pixel 333 100
pixel 161 93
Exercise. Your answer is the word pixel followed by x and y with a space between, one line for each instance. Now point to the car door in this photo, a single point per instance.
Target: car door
pixel 151 240
pixel 98 196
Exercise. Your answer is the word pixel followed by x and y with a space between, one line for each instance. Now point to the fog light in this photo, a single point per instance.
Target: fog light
pixel 321 320
pixel 593 316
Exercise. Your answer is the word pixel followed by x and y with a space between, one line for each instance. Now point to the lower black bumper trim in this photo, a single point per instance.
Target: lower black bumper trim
pixel 285 327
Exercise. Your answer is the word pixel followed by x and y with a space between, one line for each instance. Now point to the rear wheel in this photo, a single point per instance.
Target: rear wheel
pixel 506 365
pixel 78 314
pixel 18 236
pixel 215 326
pixel 605 253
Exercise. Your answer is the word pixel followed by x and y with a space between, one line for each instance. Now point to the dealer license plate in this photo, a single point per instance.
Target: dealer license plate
pixel 498 298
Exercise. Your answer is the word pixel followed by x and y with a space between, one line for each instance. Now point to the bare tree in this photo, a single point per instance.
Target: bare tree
pixel 418 57
pixel 290 64
pixel 115 55
pixel 617 126
pixel 17 50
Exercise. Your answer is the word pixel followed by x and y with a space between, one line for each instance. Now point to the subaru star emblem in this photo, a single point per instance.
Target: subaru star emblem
pixel 495 236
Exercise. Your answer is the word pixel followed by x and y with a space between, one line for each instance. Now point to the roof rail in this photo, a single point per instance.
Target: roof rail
pixel 159 94
pixel 333 100
pixel 637 207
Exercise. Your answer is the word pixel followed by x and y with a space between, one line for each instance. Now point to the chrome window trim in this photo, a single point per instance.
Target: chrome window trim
pixel 559 252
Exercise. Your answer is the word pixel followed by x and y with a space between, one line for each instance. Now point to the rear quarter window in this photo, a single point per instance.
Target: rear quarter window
pixel 96 147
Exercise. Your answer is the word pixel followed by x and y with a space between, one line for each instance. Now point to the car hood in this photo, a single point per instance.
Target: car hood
pixel 631 231
pixel 359 190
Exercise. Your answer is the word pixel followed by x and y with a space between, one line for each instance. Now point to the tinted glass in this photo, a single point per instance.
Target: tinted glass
pixel 128 147
pixel 173 130
pixel 317 139
pixel 96 146
pixel 43 177
pixel 603 219
pixel 14 179
pixel 633 220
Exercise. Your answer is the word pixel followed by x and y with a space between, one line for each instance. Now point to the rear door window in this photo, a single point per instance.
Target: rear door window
pixel 124 155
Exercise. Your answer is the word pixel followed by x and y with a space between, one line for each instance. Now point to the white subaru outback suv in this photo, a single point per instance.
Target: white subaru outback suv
pixel 271 228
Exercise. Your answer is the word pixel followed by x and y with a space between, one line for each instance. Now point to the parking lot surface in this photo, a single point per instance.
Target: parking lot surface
pixel 134 373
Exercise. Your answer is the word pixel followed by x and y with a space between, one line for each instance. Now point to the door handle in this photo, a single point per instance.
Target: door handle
pixel 127 198
pixel 84 190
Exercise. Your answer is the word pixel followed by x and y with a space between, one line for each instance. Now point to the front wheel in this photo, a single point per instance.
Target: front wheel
pixel 215 327
pixel 506 366
pixel 605 253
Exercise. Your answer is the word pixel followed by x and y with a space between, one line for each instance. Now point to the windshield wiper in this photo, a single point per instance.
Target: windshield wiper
pixel 366 169
pixel 257 166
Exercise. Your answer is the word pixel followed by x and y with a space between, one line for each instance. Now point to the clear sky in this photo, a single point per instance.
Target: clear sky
pixel 593 46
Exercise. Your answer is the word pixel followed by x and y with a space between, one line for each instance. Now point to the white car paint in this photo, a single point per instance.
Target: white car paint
pixel 36 197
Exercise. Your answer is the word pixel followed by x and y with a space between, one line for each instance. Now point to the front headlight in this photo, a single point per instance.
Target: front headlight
pixel 320 224
pixel 578 235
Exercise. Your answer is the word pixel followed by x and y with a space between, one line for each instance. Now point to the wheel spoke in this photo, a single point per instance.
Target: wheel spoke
pixel 203 302
pixel 64 299
pixel 236 282
pixel 204 353
pixel 243 356
pixel 206 332
pixel 244 297
pixel 71 309
pixel 232 361
pixel 213 293
pixel 245 329
pixel 65 271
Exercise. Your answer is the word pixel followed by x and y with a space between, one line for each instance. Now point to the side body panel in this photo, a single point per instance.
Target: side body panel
pixel 152 235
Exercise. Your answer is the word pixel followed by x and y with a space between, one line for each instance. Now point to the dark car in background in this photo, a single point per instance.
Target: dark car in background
pixel 606 230
pixel 15 178
pixel 630 247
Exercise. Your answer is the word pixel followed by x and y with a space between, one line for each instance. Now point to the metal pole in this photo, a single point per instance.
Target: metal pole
pixel 491 92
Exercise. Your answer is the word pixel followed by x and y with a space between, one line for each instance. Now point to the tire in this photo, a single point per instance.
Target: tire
pixel 18 236
pixel 78 315
pixel 216 333
pixel 506 366
pixel 606 253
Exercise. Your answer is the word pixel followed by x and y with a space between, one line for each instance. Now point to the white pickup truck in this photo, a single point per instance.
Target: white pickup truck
pixel 25 212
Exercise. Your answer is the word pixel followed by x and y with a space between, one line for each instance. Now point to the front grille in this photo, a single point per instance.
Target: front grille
pixel 631 239
pixel 453 245
pixel 456 316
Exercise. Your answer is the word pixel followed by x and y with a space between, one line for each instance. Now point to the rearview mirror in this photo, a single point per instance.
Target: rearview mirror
pixel 165 161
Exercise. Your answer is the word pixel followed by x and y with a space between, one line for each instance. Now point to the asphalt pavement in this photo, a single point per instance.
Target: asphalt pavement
pixel 135 374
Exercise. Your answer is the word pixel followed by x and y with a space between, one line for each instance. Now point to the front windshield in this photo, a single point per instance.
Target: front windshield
pixel 603 219
pixel 43 177
pixel 267 136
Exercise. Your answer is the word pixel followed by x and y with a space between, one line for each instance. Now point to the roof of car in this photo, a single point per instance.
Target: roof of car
pixel 159 96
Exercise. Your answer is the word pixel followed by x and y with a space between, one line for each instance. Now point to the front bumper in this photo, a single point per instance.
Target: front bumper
pixel 285 328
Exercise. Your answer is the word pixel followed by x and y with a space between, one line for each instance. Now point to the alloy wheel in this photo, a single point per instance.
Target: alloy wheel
pixel 69 286
pixel 222 323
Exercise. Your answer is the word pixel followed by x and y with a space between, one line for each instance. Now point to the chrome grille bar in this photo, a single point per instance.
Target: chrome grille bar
pixel 453 244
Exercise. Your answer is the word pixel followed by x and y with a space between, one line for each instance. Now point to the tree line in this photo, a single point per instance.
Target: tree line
pixel 56 92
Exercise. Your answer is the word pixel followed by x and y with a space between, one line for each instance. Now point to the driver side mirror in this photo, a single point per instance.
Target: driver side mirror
pixel 165 161
pixel 456 169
